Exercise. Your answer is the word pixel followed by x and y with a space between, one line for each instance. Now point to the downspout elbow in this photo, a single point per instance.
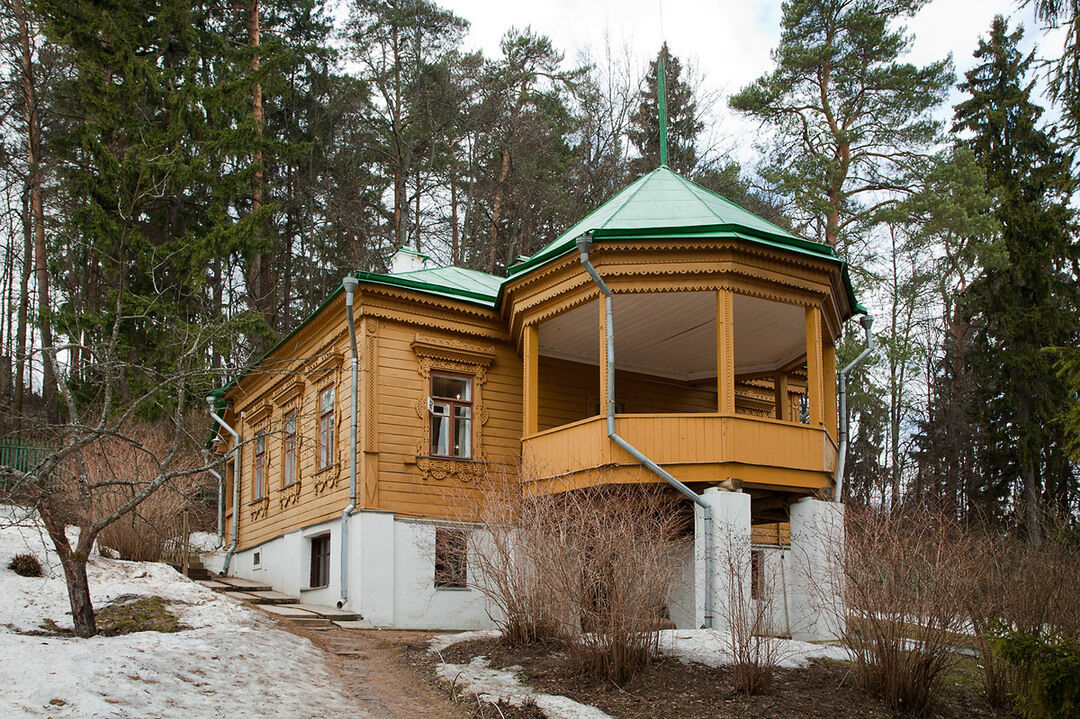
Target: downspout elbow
pixel 867 322
pixel 212 402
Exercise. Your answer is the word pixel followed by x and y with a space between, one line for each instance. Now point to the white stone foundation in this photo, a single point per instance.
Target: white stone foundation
pixel 816 573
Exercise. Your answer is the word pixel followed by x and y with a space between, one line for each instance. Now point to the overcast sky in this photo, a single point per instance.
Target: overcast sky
pixel 727 41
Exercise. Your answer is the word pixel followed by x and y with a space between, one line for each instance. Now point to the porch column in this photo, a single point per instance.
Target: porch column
pixel 816 596
pixel 829 380
pixel 602 324
pixel 781 398
pixel 530 372
pixel 814 383
pixel 725 352
pixel 730 580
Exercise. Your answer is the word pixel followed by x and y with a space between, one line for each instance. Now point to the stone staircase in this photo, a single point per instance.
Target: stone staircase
pixel 196 570
pixel 282 606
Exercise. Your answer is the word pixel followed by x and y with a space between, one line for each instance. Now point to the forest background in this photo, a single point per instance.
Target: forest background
pixel 182 183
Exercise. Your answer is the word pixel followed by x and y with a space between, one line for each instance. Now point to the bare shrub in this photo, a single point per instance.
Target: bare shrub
pixel 908 577
pixel 26 565
pixel 745 616
pixel 121 468
pixel 508 568
pixel 592 568
pixel 1021 589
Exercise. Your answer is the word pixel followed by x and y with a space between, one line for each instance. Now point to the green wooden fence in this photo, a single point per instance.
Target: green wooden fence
pixel 20 456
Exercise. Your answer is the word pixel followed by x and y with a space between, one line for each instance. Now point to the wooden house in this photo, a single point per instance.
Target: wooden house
pixel 705 332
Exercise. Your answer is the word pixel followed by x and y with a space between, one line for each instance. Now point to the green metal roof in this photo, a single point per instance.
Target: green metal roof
pixel 659 205
pixel 458 282
pixel 663 204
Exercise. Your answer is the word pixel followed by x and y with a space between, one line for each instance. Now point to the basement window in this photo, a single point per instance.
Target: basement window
pixel 757 574
pixel 320 561
pixel 451 558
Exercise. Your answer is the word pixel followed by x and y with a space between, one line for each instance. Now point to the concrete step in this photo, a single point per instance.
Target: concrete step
pixel 269 597
pixel 238 584
pixel 327 612
pixel 311 622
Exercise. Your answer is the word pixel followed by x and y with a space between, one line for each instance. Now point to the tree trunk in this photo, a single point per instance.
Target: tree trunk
pixel 74 565
pixel 37 209
pixel 24 307
pixel 257 275
pixel 418 247
pixel 1027 469
pixel 496 210
pixel 454 237
pixel 399 152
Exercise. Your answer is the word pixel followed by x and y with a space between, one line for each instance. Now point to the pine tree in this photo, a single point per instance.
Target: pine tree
pixel 1028 301
pixel 684 119
pixel 851 122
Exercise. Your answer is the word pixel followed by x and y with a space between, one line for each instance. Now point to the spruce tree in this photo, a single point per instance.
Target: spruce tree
pixel 684 119
pixel 1027 301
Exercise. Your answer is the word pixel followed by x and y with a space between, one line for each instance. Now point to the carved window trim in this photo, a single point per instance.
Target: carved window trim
pixel 467 360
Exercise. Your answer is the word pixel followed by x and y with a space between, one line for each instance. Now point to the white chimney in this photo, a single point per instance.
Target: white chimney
pixel 406 260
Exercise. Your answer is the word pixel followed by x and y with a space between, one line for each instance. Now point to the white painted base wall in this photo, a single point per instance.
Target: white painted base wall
pixel 391 573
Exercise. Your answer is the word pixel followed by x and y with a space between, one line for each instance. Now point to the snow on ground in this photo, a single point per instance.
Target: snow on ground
pixel 501 685
pixel 703 646
pixel 203 541
pixel 712 648
pixel 233 662
pixel 442 641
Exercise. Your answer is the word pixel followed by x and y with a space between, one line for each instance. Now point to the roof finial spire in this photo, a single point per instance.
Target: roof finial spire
pixel 661 103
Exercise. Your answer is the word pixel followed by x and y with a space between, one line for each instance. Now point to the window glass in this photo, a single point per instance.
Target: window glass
pixel 326 428
pixel 260 466
pixel 451 387
pixel 451 416
pixel 289 450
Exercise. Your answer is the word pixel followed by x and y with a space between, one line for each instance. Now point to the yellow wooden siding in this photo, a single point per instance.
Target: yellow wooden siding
pixel 692 447
pixel 387 454
pixel 403 487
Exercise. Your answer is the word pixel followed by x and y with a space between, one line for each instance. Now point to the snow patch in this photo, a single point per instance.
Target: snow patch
pixel 501 685
pixel 441 641
pixel 234 662
pixel 713 648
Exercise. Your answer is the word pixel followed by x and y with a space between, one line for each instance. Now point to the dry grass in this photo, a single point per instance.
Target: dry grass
pixel 26 565
pixel 120 468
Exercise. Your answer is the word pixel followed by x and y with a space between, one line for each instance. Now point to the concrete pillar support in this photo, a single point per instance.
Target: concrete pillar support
pixel 730 530
pixel 817 581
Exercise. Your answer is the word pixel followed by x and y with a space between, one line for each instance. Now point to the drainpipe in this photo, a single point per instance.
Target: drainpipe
pixel 220 502
pixel 583 244
pixel 838 480
pixel 349 283
pixel 212 401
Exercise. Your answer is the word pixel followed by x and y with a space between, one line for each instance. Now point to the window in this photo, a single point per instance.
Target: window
pixel 288 450
pixel 260 466
pixel 256 559
pixel 326 428
pixel 320 561
pixel 451 560
pixel 757 574
pixel 451 415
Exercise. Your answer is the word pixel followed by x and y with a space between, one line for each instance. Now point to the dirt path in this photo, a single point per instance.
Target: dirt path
pixel 371 666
